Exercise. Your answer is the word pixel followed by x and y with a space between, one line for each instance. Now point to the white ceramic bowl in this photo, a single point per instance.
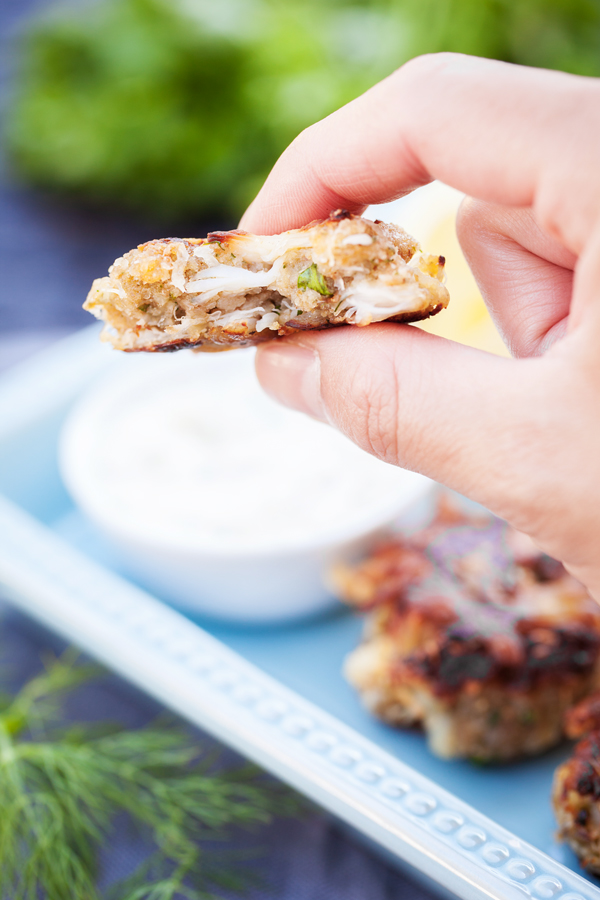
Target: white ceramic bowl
pixel 167 456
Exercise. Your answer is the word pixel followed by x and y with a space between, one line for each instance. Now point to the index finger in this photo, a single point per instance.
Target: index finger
pixel 499 132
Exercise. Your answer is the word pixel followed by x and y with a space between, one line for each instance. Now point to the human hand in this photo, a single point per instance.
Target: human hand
pixel 520 436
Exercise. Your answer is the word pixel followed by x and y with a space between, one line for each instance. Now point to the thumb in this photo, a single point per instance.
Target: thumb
pixel 481 424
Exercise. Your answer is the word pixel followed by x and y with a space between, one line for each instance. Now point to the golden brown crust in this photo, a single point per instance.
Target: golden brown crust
pixel 475 635
pixel 235 289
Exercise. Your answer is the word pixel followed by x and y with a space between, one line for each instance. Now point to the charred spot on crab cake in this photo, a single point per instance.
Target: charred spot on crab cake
pixel 236 289
pixel 472 634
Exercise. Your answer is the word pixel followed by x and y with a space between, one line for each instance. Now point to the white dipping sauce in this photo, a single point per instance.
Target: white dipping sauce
pixel 191 452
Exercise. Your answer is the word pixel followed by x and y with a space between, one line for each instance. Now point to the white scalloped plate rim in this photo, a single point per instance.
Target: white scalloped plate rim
pixel 199 677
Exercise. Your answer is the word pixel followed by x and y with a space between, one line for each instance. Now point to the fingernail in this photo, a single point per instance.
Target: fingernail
pixel 291 374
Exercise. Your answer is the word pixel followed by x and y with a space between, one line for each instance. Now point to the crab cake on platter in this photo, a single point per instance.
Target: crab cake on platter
pixel 474 635
pixel 235 289
pixel 576 801
pixel 576 786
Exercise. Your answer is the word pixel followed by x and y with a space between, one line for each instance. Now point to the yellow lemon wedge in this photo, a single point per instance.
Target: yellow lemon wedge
pixel 467 319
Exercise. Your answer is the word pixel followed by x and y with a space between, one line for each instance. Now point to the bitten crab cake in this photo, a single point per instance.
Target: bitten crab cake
pixel 576 787
pixel 474 635
pixel 235 289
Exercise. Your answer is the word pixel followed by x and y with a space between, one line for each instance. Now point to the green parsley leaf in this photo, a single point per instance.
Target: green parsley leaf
pixel 312 278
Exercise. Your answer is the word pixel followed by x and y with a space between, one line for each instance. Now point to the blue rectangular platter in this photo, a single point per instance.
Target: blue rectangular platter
pixel 275 694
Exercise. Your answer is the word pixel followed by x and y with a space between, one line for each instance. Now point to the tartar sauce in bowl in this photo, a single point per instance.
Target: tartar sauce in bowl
pixel 217 497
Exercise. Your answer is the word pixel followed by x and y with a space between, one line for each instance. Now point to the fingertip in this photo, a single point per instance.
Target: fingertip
pixel 290 372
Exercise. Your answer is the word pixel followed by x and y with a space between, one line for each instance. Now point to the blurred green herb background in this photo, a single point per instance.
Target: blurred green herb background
pixel 178 108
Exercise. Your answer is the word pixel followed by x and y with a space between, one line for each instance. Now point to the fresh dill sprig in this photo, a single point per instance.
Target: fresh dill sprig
pixel 61 788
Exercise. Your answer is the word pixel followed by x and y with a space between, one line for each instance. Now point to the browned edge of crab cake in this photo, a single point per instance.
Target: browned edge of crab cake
pixel 215 345
pixel 227 341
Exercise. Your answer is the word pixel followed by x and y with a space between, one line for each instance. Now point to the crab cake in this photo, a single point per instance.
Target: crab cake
pixel 236 289
pixel 576 786
pixel 474 635
pixel 576 801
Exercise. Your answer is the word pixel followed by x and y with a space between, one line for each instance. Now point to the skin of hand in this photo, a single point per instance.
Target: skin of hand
pixel 521 435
